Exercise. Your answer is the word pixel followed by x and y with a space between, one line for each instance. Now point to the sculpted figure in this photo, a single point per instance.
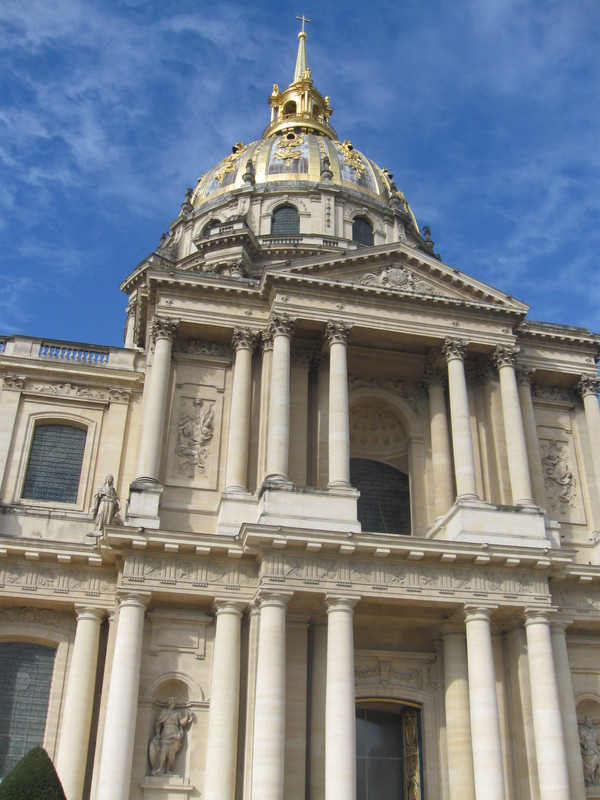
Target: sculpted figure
pixel 589 740
pixel 169 730
pixel 106 504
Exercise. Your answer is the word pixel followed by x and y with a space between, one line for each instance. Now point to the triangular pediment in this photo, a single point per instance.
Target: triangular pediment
pixel 400 271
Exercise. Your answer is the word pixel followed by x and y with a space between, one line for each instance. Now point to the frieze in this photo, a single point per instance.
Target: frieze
pixel 390 670
pixel 430 581
pixel 187 573
pixel 198 347
pixel 577 599
pixel 52 580
pixel 556 393
pixel 407 391
pixel 111 394
pixel 14 382
pixel 45 617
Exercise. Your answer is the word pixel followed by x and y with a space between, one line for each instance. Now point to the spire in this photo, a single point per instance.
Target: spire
pixel 301 58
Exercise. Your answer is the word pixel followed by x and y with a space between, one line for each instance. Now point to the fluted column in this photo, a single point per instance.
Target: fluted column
pixel 545 705
pixel 77 713
pixel 485 720
pixel 281 328
pixel 337 334
pixel 236 474
pixel 164 331
pixel 122 706
pixel 441 456
pixel 223 716
pixel 505 359
pixel 460 419
pixel 534 455
pixel 588 387
pixel 567 708
pixel 340 714
pixel 269 707
pixel 458 723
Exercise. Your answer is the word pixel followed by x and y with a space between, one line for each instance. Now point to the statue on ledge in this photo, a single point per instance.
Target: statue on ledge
pixel 589 740
pixel 106 504
pixel 169 730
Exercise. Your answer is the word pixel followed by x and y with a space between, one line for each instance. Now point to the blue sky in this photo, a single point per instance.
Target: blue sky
pixel 486 111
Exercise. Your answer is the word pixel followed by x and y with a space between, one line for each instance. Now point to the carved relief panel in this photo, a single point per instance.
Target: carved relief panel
pixel 561 472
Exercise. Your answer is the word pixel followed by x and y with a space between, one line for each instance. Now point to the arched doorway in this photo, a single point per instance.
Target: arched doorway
pixel 388 751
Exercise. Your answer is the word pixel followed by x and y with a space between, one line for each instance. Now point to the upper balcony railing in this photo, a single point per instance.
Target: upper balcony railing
pixel 75 353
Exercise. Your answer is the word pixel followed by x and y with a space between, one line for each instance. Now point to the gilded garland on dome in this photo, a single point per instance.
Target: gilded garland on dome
pixel 352 157
pixel 230 163
pixel 288 149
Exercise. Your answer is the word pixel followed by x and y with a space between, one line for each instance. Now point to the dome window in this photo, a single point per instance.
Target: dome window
pixel 209 228
pixel 289 108
pixel 362 231
pixel 285 219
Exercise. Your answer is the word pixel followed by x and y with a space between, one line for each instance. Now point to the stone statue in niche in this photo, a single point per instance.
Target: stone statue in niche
pixel 589 741
pixel 106 504
pixel 169 731
pixel 195 433
pixel 559 480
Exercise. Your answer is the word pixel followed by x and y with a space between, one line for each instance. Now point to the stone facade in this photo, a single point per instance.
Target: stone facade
pixel 217 630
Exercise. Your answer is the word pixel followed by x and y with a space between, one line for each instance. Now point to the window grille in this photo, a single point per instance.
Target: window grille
pixel 285 220
pixel 55 461
pixel 384 502
pixel 25 677
pixel 362 231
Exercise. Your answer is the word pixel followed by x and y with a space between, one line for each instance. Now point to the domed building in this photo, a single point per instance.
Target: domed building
pixel 325 527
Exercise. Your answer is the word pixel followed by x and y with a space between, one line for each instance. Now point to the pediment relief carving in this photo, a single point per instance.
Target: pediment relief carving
pixel 395 277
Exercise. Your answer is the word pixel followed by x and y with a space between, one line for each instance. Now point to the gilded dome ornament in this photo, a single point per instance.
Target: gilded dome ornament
pixel 229 164
pixel 288 149
pixel 352 158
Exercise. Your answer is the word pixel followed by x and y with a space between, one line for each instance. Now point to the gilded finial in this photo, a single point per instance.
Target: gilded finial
pixel 300 70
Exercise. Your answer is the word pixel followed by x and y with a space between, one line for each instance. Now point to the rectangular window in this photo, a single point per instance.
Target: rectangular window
pixel 55 461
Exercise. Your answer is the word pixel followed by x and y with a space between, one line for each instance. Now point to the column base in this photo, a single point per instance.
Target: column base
pixel 479 522
pixel 143 503
pixel 166 787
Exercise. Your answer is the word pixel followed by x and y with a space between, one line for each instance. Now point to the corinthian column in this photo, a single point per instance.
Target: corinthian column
pixel 485 720
pixel 441 456
pixel 164 331
pixel 269 707
pixel 462 442
pixel 121 710
pixel 458 723
pixel 545 705
pixel 588 387
pixel 567 708
pixel 236 475
pixel 534 455
pixel 337 334
pixel 340 714
pixel 79 700
pixel 505 359
pixel 222 736
pixel 281 328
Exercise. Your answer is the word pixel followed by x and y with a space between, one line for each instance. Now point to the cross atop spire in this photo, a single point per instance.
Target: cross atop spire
pixel 301 58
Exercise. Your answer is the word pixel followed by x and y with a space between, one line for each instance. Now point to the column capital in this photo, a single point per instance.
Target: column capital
pixel 454 349
pixel 505 356
pixel 336 602
pixel 478 612
pixel 224 605
pixel 164 328
pixel 337 331
pixel 244 339
pixel 560 623
pixel 125 598
pixel 281 325
pixel 434 377
pixel 277 599
pixel 266 341
pixel 90 613
pixel 538 616
pixel 525 376
pixel 588 384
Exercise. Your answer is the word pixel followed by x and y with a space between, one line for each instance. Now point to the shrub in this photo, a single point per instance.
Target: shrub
pixel 32 778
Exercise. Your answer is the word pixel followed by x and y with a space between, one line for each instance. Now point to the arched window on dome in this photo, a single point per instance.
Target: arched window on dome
pixel 209 228
pixel 289 108
pixel 384 502
pixel 362 231
pixel 285 219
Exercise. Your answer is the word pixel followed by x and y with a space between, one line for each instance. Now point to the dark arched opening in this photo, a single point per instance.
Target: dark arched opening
pixel 384 502
pixel 362 231
pixel 285 219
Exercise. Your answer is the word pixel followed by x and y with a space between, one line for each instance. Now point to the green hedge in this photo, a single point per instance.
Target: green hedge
pixel 32 778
